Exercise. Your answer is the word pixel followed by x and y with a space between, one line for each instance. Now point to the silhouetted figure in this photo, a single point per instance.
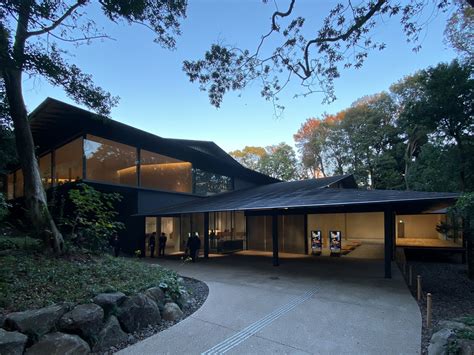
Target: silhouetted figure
pixel 194 244
pixel 212 237
pixel 151 244
pixel 162 244
pixel 115 243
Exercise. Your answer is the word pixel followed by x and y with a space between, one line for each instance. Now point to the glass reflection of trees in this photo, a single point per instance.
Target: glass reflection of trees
pixel 206 183
pixel 110 161
pixel 164 173
pixel 68 162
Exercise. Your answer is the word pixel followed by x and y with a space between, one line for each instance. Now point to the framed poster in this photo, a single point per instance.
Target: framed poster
pixel 335 242
pixel 316 242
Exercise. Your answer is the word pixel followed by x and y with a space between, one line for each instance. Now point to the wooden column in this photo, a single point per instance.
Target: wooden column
pixel 389 227
pixel 206 235
pixel 275 239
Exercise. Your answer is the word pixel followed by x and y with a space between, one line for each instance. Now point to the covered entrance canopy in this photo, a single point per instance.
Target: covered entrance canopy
pixel 334 195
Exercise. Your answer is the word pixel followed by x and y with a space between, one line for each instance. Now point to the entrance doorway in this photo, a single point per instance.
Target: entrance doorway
pixel 154 226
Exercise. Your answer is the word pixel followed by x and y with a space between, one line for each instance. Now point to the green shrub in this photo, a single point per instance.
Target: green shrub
pixel 93 221
pixel 4 206
pixel 33 280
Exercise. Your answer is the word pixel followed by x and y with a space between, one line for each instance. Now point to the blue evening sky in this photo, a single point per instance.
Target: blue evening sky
pixel 156 96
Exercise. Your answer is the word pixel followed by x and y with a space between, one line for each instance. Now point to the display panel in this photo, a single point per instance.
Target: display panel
pixel 316 242
pixel 335 241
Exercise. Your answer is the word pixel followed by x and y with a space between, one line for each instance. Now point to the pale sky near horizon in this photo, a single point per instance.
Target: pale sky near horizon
pixel 156 95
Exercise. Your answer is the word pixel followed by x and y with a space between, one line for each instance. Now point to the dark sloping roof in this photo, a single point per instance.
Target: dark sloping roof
pixel 206 147
pixel 53 122
pixel 300 194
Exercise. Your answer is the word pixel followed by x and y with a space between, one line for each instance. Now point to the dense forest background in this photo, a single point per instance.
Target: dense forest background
pixel 418 135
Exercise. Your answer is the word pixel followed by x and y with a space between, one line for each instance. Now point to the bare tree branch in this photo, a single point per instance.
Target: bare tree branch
pixel 344 36
pixel 58 21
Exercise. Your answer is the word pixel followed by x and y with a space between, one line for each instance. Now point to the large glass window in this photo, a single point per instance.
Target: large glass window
pixel 19 183
pixel 11 186
pixel 206 183
pixel 227 231
pixel 110 161
pixel 164 173
pixel 45 170
pixel 68 162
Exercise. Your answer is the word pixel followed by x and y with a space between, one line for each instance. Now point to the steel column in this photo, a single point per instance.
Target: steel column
pixel 275 239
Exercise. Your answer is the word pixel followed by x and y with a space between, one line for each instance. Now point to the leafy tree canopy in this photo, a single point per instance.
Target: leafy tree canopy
pixel 344 39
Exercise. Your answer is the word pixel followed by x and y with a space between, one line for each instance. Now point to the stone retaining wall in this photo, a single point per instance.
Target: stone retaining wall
pixel 91 327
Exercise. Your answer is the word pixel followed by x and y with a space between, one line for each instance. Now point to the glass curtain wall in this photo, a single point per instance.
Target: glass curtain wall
pixel 19 183
pixel 291 234
pixel 260 233
pixel 227 231
pixel 151 226
pixel 164 173
pixel 45 170
pixel 68 162
pixel 171 227
pixel 110 162
pixel 206 183
pixel 11 186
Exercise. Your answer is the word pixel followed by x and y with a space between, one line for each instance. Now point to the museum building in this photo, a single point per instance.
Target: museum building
pixel 180 187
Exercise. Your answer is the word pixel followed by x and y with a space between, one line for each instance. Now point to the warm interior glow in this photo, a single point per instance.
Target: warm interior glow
pixel 163 166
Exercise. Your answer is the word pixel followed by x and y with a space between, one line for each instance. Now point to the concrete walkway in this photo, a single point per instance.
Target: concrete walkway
pixel 306 305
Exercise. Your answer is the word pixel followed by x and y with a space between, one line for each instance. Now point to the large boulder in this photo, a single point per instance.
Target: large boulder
pixel 110 335
pixel 439 341
pixel 172 312
pixel 35 323
pixel 448 324
pixel 137 312
pixel 109 301
pixel 84 320
pixel 59 344
pixel 185 299
pixel 157 295
pixel 12 343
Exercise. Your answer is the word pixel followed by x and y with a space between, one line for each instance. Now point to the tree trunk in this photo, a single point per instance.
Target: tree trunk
pixel 462 165
pixel 469 244
pixel 35 197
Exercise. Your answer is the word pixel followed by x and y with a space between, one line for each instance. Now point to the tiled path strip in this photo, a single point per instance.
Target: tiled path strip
pixel 252 329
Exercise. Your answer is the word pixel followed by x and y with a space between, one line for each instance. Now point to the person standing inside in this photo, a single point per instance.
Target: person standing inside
pixel 151 244
pixel 194 244
pixel 162 244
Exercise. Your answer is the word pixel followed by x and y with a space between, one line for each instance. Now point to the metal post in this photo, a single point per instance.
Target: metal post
pixel 206 235
pixel 418 287
pixel 428 310
pixel 410 275
pixel 275 239
pixel 388 241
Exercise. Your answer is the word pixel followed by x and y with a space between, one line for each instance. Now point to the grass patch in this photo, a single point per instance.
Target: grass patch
pixel 33 280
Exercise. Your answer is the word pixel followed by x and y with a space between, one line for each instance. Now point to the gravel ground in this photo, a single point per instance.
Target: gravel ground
pixel 452 293
pixel 198 291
